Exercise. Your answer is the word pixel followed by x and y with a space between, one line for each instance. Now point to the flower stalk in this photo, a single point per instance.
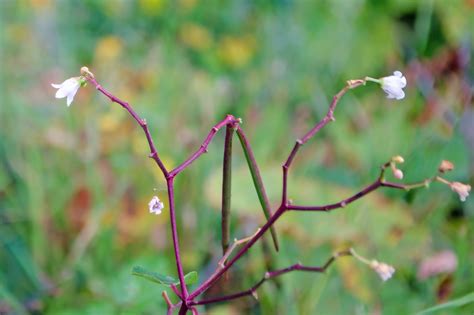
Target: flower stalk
pixel 393 87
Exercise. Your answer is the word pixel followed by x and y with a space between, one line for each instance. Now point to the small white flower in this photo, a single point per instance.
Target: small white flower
pixel 384 271
pixel 461 189
pixel 393 85
pixel 155 205
pixel 68 89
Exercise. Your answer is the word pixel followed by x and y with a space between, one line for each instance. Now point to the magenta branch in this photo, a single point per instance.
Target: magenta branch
pixel 393 87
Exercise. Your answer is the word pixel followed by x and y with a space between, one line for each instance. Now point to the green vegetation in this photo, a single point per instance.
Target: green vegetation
pixel 75 182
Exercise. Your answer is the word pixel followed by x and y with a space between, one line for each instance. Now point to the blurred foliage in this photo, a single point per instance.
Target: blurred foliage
pixel 75 182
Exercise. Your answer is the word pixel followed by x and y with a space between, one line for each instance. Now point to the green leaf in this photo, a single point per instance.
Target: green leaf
pixel 191 277
pixel 156 277
pixel 467 299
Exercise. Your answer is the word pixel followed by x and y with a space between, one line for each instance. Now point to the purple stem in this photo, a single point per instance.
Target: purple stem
pixel 153 152
pixel 272 274
pixel 284 205
pixel 169 180
pixel 323 122
pixel 203 148
pixel 187 300
pixel 174 233
pixel 340 204
pixel 211 280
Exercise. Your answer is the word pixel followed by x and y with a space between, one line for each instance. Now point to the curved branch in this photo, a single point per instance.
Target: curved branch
pixel 229 120
pixel 323 122
pixel 142 122
pixel 340 204
pixel 273 274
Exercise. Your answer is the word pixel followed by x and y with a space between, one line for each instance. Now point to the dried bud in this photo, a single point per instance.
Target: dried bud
pixel 461 189
pixel 384 271
pixel 445 166
pixel 85 72
pixel 398 159
pixel 355 83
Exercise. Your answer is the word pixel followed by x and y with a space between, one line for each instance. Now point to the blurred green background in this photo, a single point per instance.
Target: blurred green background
pixel 75 182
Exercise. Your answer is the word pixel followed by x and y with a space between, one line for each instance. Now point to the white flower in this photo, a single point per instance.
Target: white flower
pixel 461 189
pixel 393 85
pixel 384 271
pixel 68 89
pixel 155 205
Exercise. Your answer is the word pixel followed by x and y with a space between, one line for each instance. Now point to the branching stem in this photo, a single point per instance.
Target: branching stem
pixel 188 302
pixel 273 274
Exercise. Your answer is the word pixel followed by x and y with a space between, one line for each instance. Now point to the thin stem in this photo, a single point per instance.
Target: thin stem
pixel 340 204
pixel 167 299
pixel 212 279
pixel 299 142
pixel 176 291
pixel 203 148
pixel 229 251
pixel 273 274
pixel 154 155
pixel 257 181
pixel 226 188
pixel 284 205
pixel 174 233
pixel 171 307
pixel 142 122
pixel 372 80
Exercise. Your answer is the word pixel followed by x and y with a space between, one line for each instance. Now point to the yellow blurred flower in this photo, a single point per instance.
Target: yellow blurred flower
pixel 195 36
pixel 236 51
pixel 108 48
pixel 152 7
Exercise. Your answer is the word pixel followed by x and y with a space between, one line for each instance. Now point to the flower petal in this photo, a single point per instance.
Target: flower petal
pixel 400 95
pixel 70 98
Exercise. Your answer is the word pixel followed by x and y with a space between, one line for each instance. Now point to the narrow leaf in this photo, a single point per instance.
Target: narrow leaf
pixel 467 299
pixel 156 277
pixel 258 183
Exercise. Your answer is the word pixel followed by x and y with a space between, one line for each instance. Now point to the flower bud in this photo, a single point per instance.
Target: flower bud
pixel 398 159
pixel 445 166
pixel 382 269
pixel 461 189
pixel 397 173
pixel 85 72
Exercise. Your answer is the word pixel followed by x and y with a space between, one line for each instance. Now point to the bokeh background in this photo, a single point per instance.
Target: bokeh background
pixel 75 182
